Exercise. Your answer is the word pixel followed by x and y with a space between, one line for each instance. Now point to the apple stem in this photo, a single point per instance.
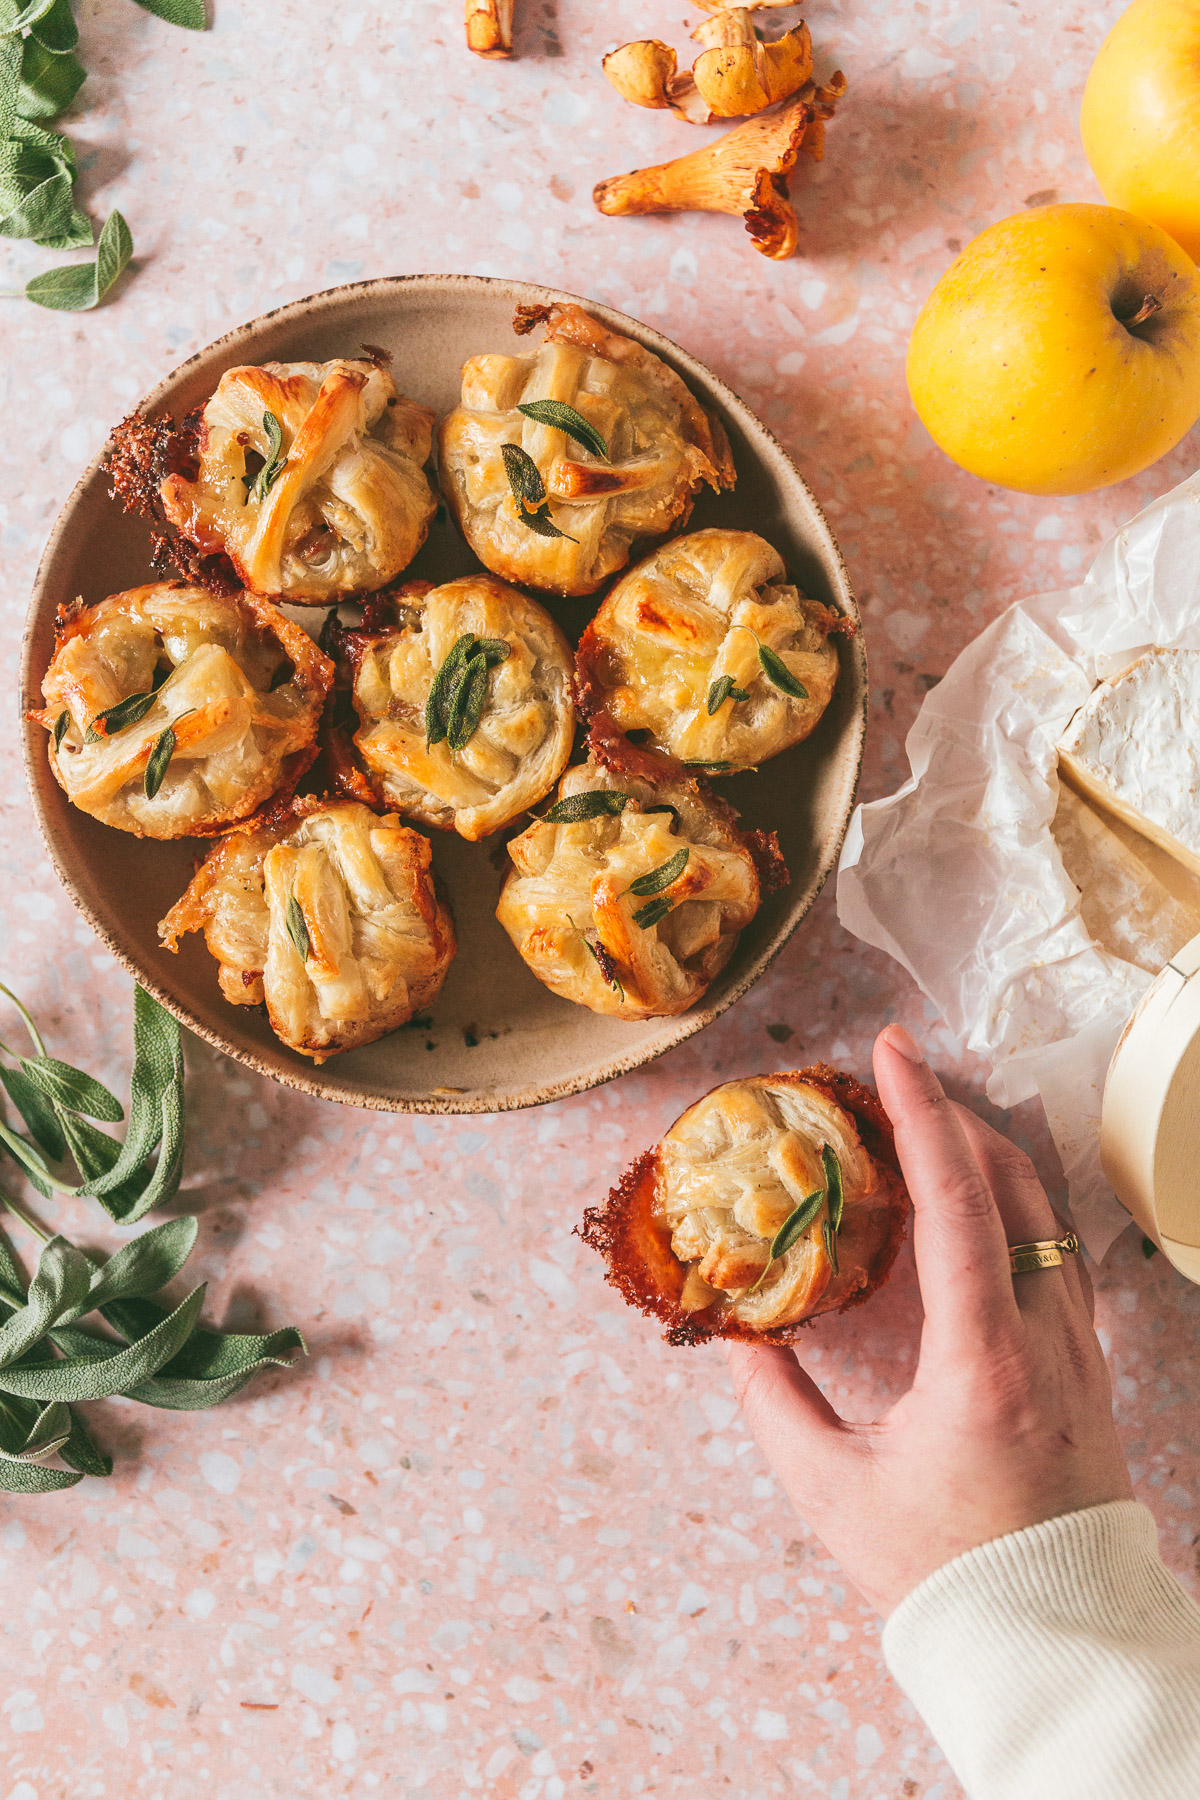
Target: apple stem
pixel 1150 305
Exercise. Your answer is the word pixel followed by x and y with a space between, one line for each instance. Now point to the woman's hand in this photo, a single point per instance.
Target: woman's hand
pixel 1009 1418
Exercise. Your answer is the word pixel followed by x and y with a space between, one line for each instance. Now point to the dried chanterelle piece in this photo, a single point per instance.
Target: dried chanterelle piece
pixel 489 27
pixel 736 74
pixel 770 1201
pixel 744 173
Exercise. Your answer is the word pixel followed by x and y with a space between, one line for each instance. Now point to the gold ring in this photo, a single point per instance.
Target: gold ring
pixel 1047 1254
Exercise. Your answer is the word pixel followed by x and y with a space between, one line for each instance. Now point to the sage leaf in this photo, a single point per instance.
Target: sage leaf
pixel 34 1433
pixel 272 468
pixel 29 15
pixel 524 477
pixel 72 1089
pixel 703 763
pixel 189 14
pixel 796 1223
pixel 82 1452
pixel 56 30
pixel 437 706
pixel 663 877
pixel 466 702
pixel 32 1478
pixel 160 758
pixel 119 717
pixel 37 1110
pixel 157 1070
pixel 50 80
pixel 61 726
pixel 595 803
pixel 297 928
pixel 722 690
pixel 211 1366
pixel 830 1237
pixel 140 1267
pixel 833 1185
pixel 103 1371
pixel 652 913
pixel 778 673
pixel 494 651
pixel 77 287
pixel 564 418
pixel 28 1158
pixel 542 525
pixel 163 1185
pixel 60 1284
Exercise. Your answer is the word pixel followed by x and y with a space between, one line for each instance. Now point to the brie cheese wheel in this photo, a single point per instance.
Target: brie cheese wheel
pixel 219 697
pixel 339 505
pixel 526 720
pixel 689 1234
pixel 661 447
pixel 634 911
pixel 330 915
pixel 1123 904
pixel 676 650
pixel 1134 748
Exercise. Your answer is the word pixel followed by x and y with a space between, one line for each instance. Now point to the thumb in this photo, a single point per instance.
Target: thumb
pixel 803 1438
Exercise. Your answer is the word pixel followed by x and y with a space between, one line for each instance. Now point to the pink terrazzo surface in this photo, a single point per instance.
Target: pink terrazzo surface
pixel 495 1538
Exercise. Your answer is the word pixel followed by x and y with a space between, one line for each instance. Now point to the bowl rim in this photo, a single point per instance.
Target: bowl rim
pixel 687 1024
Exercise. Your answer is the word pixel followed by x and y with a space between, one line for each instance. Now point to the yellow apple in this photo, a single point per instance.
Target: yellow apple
pixel 1061 351
pixel 1141 116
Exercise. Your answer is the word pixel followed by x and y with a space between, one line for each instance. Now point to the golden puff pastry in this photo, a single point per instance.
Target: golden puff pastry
pixel 174 712
pixel 709 648
pixel 770 1201
pixel 659 445
pixel 461 760
pixel 628 896
pixel 309 477
pixel 328 913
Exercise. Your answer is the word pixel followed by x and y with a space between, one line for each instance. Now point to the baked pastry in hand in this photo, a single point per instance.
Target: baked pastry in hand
pixel 463 696
pixel 173 712
pixel 772 1200
pixel 329 914
pixel 710 649
pixel 556 462
pixel 628 895
pixel 309 477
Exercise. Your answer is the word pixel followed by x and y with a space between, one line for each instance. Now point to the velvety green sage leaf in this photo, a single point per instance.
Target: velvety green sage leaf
pixel 272 468
pixel 29 1159
pixel 663 877
pixel 163 1185
pixel 56 1292
pixel 82 1451
pixel 159 762
pixel 833 1185
pixel 118 717
pixel 61 727
pixel 45 1436
pixel 542 525
pixel 10 81
pixel 466 702
pixel 652 913
pixel 297 928
pixel 32 1478
pixel 494 651
pixel 722 690
pixel 37 1110
pixel 779 675
pixel 524 477
pixel 830 1236
pixel 595 803
pixel 50 80
pixel 56 29
pixel 796 1223
pixel 437 706
pixel 187 13
pixel 72 1089
pixel 212 1366
pixel 141 1267
pixel 77 287
pixel 564 418
pixel 28 15
pixel 102 1372
pixel 157 1066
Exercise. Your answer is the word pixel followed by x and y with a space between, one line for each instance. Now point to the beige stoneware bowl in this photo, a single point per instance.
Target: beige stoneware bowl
pixel 497 1039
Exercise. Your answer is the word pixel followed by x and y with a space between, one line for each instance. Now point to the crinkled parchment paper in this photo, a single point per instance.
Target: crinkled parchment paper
pixel 957 874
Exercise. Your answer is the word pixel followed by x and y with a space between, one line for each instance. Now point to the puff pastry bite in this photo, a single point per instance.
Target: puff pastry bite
pixel 647 447
pixel 330 915
pixel 710 649
pixel 770 1201
pixel 308 477
pixel 463 696
pixel 173 712
pixel 628 895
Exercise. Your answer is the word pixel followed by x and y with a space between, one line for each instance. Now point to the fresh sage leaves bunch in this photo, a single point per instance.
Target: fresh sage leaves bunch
pixel 40 76
pixel 459 689
pixel 153 1351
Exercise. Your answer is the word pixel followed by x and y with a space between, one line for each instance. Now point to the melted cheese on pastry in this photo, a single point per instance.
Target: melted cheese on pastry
pixel 567 904
pixel 694 612
pixel 732 1171
pixel 351 504
pixel 523 740
pixel 239 685
pixel 1134 748
pixel 661 447
pixel 378 937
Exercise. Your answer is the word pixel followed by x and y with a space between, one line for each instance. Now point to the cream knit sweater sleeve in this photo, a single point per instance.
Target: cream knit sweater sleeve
pixel 1059 1663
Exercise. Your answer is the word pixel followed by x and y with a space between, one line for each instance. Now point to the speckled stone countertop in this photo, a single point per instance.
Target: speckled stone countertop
pixel 495 1537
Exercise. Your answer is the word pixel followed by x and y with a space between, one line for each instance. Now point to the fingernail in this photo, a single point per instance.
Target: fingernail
pixel 898 1039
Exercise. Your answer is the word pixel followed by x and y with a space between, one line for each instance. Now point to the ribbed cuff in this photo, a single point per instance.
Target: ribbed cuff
pixel 1058 1663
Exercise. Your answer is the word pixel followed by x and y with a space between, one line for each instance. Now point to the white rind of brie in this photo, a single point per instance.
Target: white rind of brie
pixel 1134 748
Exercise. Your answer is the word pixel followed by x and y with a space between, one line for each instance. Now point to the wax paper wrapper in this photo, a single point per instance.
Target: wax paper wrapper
pixel 958 876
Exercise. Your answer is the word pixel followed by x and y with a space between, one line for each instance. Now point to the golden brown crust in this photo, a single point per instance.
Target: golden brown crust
pixel 636 1244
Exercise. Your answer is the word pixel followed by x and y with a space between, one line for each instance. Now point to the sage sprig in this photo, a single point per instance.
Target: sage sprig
pixel 594 803
pixel 456 698
pixel 723 689
pixel 778 673
pixel 119 717
pixel 61 725
pixel 832 1197
pixel 77 287
pixel 160 756
pixel 529 492
pixel 663 877
pixel 564 418
pixel 273 467
pixel 797 1222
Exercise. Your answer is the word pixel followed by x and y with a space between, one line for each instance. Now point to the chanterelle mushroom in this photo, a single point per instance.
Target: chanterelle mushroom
pixel 737 74
pixel 745 172
pixel 489 27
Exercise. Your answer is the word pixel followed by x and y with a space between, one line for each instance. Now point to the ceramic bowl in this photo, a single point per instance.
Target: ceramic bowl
pixel 497 1039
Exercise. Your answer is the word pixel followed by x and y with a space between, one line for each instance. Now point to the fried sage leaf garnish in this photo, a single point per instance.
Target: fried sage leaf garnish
pixel 796 1223
pixel 273 468
pixel 595 803
pixel 652 913
pixel 119 717
pixel 662 877
pixel 447 700
pixel 564 418
pixel 297 928
pixel 723 689
pixel 529 492
pixel 778 673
